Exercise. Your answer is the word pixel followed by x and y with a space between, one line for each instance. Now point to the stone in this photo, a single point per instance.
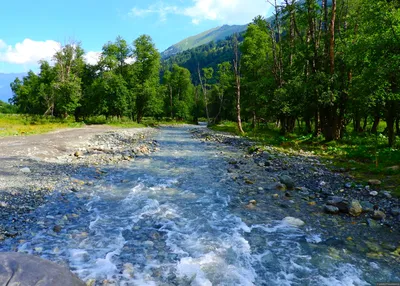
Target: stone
pixel 25 170
pixel 57 228
pixel 292 221
pixel 355 208
pixel 24 270
pixel 348 185
pixel 78 154
pixel 367 206
pixel 395 211
pixel 372 224
pixel 331 209
pixel 373 193
pixel 280 187
pixel 287 181
pixel 387 194
pixel 374 182
pixel 338 202
pixel 379 215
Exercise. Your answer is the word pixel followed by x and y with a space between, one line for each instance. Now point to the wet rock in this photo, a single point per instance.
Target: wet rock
pixel 367 206
pixel 355 208
pixel 331 209
pixel 57 228
pixel 379 215
pixel 338 202
pixel 348 185
pixel 287 181
pixel 334 242
pixel 148 244
pixel 25 170
pixel 280 187
pixel 374 182
pixel 22 269
pixel 292 221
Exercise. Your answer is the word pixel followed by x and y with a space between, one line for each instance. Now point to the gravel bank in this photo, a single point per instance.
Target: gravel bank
pixel 352 216
pixel 33 167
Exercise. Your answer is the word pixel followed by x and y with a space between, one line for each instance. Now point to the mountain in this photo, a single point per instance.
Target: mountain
pixel 213 35
pixel 5 80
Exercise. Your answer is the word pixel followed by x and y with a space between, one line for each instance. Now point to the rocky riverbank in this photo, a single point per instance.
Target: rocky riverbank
pixel 353 217
pixel 33 168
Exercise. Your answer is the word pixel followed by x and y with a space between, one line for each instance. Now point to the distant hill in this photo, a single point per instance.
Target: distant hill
pixel 207 55
pixel 5 80
pixel 213 35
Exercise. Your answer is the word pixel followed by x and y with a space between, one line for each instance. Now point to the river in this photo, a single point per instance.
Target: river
pixel 167 220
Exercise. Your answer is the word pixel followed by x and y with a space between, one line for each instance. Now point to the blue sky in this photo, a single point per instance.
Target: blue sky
pixel 33 29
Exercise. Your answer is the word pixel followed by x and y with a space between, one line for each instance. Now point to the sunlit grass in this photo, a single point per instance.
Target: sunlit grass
pixel 17 125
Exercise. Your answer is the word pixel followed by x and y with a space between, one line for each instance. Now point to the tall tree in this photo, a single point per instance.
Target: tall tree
pixel 146 75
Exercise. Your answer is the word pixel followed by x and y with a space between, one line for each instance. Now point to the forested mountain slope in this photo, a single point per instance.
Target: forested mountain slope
pixel 213 35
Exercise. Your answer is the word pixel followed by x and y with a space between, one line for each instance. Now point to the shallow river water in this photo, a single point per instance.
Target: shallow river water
pixel 166 219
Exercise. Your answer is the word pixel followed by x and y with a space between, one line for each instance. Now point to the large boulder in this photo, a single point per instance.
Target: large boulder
pixel 26 270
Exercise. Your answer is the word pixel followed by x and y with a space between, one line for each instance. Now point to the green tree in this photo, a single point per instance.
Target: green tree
pixel 146 77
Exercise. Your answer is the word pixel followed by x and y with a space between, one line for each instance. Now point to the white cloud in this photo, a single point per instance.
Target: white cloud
pixel 157 8
pixel 222 11
pixel 2 44
pixel 92 58
pixel 227 11
pixel 28 52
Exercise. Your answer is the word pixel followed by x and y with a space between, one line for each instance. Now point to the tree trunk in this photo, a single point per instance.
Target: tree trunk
pixel 171 103
pixel 204 89
pixel 390 120
pixel 236 66
pixel 374 128
pixel 365 124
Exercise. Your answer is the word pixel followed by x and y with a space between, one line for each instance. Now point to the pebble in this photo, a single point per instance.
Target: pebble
pixel 25 170
pixel 373 193
pixel 331 209
pixel 379 215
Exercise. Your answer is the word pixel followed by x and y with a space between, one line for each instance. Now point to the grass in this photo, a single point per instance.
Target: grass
pixel 366 156
pixel 17 125
pixel 20 125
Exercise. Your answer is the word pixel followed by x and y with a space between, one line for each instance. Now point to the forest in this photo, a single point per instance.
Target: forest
pixel 318 65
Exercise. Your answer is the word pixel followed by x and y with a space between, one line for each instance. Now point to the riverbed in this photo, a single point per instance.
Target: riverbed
pixel 173 217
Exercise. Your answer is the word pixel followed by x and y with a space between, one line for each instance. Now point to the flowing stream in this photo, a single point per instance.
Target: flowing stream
pixel 166 220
